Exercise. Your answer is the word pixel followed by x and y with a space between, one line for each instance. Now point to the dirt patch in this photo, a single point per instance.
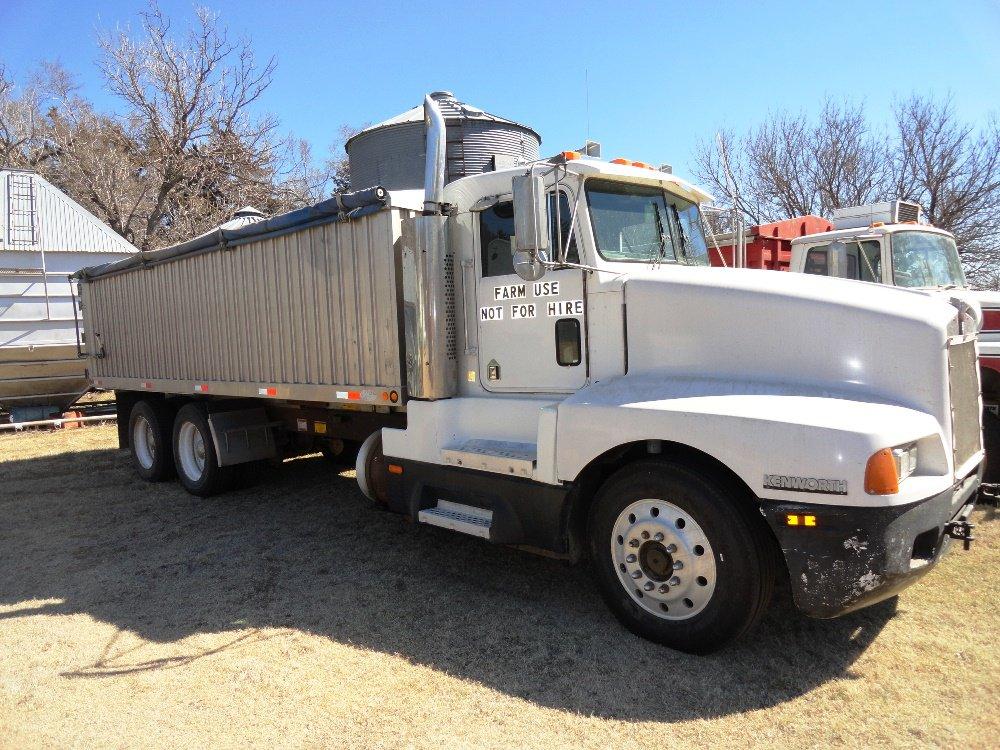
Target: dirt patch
pixel 295 613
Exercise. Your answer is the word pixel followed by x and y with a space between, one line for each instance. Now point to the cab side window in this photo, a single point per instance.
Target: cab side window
pixel 816 261
pixel 496 226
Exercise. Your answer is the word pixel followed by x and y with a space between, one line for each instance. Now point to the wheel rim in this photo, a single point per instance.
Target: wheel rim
pixel 663 559
pixel 144 440
pixel 191 449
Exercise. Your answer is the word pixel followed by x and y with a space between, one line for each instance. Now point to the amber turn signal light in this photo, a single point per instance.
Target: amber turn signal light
pixel 880 474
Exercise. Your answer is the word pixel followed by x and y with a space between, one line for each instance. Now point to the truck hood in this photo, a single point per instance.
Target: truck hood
pixel 865 341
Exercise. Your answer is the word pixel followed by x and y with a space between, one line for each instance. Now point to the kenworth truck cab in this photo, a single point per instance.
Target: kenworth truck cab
pixel 539 356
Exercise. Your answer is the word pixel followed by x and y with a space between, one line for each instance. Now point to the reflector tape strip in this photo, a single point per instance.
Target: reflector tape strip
pixel 267 391
pixel 349 395
pixel 146 384
pixel 201 388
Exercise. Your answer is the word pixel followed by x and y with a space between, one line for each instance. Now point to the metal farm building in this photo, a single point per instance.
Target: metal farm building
pixel 44 237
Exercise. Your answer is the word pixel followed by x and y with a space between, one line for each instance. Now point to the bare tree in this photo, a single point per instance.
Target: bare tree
pixel 790 167
pixel 25 133
pixel 953 171
pixel 338 166
pixel 193 150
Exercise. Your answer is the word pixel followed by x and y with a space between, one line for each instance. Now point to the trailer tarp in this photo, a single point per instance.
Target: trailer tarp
pixel 341 207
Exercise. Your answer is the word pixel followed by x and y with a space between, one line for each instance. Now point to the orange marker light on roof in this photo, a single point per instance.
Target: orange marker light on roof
pixel 880 474
pixel 570 155
pixel 619 160
pixel 641 165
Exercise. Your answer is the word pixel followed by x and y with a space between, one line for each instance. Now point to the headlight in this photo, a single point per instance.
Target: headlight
pixel 905 457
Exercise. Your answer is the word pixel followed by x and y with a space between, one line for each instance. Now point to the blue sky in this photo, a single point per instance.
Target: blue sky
pixel 662 76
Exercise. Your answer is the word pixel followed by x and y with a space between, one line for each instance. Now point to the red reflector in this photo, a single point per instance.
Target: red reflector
pixel 991 320
pixel 354 395
pixel 395 469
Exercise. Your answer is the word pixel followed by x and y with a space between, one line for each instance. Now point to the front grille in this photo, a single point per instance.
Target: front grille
pixel 966 429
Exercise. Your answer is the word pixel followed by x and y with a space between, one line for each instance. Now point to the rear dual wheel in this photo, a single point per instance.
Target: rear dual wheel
pixel 679 559
pixel 195 458
pixel 149 437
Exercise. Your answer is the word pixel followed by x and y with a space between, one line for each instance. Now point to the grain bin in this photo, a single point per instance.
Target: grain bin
pixel 392 153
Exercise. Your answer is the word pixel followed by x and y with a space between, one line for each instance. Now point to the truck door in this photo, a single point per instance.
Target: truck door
pixel 532 335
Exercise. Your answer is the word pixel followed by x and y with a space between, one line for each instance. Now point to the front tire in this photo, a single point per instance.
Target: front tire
pixel 197 465
pixel 679 559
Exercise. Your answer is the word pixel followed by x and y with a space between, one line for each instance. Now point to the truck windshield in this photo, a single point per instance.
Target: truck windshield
pixel 923 259
pixel 638 223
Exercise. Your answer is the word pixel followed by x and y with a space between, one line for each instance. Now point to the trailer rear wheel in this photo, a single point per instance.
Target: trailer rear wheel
pixel 194 454
pixel 149 441
pixel 679 560
pixel 342 453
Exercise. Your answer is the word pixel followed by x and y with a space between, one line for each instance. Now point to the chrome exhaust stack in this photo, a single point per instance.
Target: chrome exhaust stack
pixel 434 166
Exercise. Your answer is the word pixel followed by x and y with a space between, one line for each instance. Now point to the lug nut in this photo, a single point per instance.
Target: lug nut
pixel 678 565
pixel 637 574
pixel 671 548
pixel 634 543
pixel 630 559
pixel 675 581
pixel 658 536
pixel 648 586
pixel 664 589
pixel 645 535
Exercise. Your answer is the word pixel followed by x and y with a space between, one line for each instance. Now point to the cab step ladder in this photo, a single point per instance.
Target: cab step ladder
pixel 458 517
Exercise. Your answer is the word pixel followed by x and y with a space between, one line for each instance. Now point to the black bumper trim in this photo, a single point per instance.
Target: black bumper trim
pixel 856 556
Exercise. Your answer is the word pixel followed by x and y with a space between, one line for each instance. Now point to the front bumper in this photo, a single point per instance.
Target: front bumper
pixel 854 557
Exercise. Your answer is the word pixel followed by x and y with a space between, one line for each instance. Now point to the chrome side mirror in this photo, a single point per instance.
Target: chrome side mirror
pixel 531 227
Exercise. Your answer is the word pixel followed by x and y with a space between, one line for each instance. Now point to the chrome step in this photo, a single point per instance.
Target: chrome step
pixel 458 517
pixel 498 456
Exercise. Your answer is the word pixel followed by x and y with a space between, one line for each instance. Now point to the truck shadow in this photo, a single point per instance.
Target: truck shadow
pixel 304 550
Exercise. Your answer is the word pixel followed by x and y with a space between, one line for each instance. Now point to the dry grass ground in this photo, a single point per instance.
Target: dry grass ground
pixel 296 614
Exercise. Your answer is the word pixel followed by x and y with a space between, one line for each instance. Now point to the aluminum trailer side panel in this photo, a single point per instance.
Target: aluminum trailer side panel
pixel 311 314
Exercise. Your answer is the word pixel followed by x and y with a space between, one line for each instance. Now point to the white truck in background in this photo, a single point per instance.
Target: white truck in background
pixel 537 355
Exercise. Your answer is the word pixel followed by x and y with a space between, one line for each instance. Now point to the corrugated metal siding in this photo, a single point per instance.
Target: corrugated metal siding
pixel 393 157
pixel 315 307
pixel 58 223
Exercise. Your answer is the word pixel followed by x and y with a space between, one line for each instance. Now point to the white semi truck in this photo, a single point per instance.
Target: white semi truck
pixel 536 354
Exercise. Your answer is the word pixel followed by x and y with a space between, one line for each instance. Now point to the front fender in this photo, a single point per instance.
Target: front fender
pixel 756 430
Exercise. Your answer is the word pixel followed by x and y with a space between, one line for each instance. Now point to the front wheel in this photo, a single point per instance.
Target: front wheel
pixel 679 560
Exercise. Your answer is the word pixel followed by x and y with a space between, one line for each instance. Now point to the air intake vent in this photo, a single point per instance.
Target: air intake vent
pixel 907 211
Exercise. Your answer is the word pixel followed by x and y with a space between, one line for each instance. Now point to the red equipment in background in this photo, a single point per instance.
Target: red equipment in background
pixel 768 246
